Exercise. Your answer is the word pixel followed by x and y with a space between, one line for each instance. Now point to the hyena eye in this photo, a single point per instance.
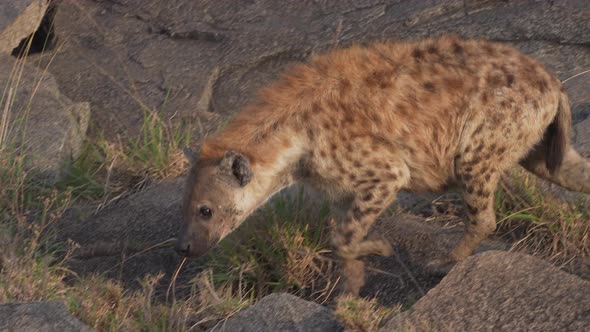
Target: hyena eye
pixel 206 212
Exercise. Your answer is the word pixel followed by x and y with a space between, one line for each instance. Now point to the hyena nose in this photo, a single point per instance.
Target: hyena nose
pixel 182 249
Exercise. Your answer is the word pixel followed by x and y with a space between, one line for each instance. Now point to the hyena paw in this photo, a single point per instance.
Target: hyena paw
pixel 379 247
pixel 353 276
pixel 440 267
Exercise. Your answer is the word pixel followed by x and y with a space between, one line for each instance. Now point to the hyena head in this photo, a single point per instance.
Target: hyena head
pixel 214 202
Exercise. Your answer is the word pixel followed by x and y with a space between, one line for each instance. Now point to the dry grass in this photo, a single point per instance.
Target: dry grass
pixel 107 306
pixel 284 247
pixel 107 170
pixel 364 315
pixel 539 223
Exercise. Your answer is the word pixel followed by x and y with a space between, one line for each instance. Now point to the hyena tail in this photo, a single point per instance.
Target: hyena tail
pixel 557 136
pixel 555 158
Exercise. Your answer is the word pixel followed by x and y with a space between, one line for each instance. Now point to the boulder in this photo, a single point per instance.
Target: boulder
pixel 401 278
pixel 112 240
pixel 501 291
pixel 206 59
pixel 18 20
pixel 39 316
pixel 43 124
pixel 133 223
pixel 281 312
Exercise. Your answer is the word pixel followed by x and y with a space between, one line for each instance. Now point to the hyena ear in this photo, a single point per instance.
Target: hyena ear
pixel 190 155
pixel 239 165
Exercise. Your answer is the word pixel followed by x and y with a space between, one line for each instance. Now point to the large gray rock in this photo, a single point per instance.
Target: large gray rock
pixel 500 291
pixel 402 278
pixel 44 125
pixel 39 316
pixel 132 224
pixel 118 240
pixel 205 59
pixel 19 19
pixel 281 312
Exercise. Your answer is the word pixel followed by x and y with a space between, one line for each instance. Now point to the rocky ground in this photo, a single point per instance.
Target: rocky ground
pixel 198 62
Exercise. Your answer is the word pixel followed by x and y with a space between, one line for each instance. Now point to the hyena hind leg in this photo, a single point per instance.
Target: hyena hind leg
pixel 480 222
pixel 350 236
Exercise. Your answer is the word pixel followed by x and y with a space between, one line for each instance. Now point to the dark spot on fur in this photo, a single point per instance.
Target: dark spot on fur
pixel 504 104
pixel 487 177
pixel 348 236
pixel 370 173
pixel 453 83
pixel 357 213
pixel 417 54
pixel 485 97
pixel 379 78
pixel 479 148
pixel 470 190
pixel 478 129
pixel 494 80
pixel 402 109
pixel 489 49
pixel 472 210
pixel 357 164
pixel 376 180
pixel 315 107
pixel 458 49
pixel 429 86
pixel 305 116
pixel 482 192
pixel 509 79
pixel 542 85
pixel 432 49
pixel 349 147
pixel 323 154
pixel 466 177
pixel 333 146
pixel 348 119
pixel 344 86
pixel 368 197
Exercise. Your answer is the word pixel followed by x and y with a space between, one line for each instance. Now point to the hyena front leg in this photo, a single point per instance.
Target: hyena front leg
pixel 479 184
pixel 350 240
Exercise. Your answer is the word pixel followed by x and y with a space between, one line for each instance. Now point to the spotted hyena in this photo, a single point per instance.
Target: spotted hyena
pixel 363 123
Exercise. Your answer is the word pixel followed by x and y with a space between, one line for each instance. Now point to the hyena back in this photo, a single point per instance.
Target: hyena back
pixel 363 123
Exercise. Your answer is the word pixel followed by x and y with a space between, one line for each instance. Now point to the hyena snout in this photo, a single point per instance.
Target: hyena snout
pixel 194 243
